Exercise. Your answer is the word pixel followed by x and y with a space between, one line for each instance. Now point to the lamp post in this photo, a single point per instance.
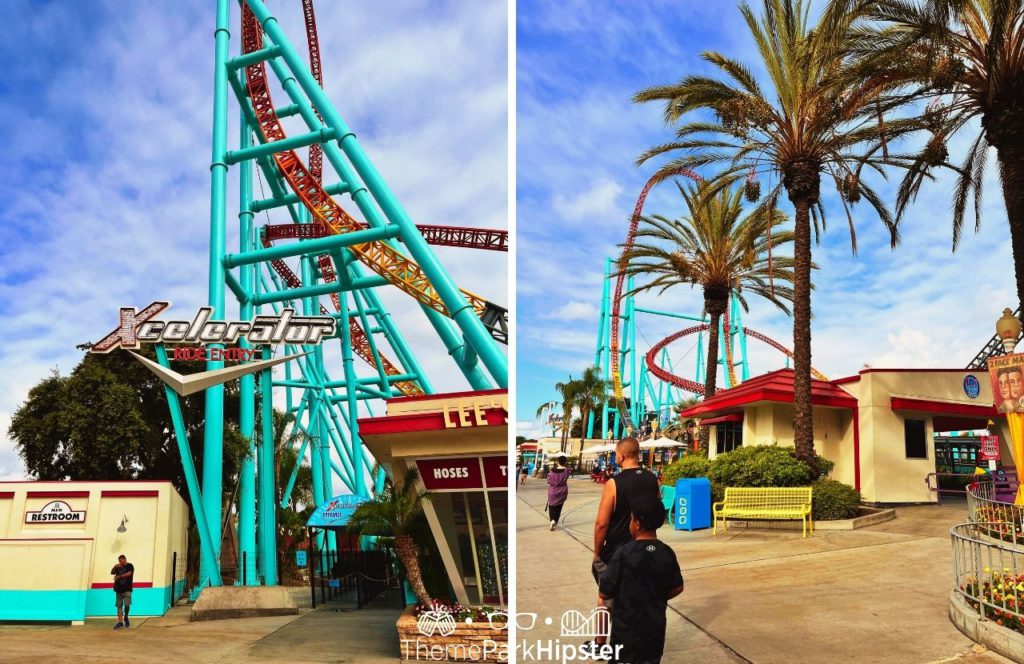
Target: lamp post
pixel 1008 330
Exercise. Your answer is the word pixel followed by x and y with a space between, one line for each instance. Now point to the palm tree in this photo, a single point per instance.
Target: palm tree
pixel 567 391
pixel 591 394
pixel 393 513
pixel 967 58
pixel 802 128
pixel 718 248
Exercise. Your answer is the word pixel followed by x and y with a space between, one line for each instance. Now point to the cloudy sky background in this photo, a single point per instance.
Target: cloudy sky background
pixel 578 64
pixel 104 179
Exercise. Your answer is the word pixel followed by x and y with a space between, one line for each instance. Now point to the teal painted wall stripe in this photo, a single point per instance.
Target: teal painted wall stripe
pixel 61 605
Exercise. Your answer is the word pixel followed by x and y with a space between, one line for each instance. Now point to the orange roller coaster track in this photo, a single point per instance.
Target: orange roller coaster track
pixel 380 257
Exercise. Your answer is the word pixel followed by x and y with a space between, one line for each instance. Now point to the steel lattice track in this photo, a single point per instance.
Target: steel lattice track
pixel 993 348
pixel 447 236
pixel 380 257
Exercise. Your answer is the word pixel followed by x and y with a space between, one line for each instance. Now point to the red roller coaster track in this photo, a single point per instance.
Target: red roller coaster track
pixel 620 281
pixel 692 386
pixel 445 236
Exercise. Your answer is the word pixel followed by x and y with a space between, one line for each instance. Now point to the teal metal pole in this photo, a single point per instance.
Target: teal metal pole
pixel 458 308
pixel 247 553
pixel 213 426
pixel 350 391
pixel 268 506
pixel 208 554
pixel 316 245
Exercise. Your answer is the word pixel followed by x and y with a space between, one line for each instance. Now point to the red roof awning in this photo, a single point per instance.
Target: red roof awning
pixel 732 417
pixel 776 386
pixel 944 407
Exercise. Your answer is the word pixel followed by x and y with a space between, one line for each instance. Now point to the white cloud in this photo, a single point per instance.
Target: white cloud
pixel 595 204
pixel 575 311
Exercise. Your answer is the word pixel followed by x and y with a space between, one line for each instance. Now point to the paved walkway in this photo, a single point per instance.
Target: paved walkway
pixel 877 594
pixel 314 636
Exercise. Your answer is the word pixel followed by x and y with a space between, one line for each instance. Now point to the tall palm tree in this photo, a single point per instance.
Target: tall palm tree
pixel 591 394
pixel 799 130
pixel 720 249
pixel 393 513
pixel 567 391
pixel 967 58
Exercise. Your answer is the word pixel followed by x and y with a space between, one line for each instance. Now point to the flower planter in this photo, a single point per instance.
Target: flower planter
pixel 444 641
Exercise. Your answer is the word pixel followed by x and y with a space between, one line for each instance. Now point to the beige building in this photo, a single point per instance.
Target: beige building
pixel 59 541
pixel 877 427
pixel 459 444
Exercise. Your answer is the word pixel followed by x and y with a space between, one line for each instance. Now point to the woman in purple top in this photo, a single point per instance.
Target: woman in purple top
pixel 558 490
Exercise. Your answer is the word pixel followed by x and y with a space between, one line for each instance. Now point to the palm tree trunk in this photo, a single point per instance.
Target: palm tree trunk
pixel 711 366
pixel 803 423
pixel 408 553
pixel 1011 171
pixel 584 414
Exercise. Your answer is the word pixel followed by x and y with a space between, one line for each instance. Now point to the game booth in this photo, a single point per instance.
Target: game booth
pixel 59 541
pixel 459 444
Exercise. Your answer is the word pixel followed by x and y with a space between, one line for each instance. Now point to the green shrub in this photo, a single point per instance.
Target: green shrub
pixel 691 465
pixel 761 466
pixel 834 500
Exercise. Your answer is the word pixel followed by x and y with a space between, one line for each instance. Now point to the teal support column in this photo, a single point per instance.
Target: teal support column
pixel 213 426
pixel 247 385
pixel 207 553
pixel 267 490
pixel 350 392
pixel 458 308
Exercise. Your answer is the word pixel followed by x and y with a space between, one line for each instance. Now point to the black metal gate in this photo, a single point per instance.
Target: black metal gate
pixel 349 574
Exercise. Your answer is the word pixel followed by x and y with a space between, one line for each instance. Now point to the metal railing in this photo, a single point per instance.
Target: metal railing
pixel 988 574
pixel 988 554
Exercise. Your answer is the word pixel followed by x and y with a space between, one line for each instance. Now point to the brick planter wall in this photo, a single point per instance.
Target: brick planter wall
pixel 476 642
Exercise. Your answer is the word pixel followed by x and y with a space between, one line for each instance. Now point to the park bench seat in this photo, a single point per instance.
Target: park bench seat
pixel 764 503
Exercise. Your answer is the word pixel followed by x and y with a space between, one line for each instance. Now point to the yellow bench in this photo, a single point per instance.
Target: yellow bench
pixel 764 503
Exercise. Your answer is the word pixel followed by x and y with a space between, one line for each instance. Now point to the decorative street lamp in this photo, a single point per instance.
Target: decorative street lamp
pixel 1008 330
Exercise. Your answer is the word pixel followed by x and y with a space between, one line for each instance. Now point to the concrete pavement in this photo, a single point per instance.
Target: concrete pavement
pixel 314 636
pixel 876 595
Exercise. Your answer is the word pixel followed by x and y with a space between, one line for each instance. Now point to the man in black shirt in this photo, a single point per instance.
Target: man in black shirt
pixel 611 528
pixel 641 577
pixel 123 572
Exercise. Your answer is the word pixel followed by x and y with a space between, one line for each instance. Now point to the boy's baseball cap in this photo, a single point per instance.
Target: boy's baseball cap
pixel 649 512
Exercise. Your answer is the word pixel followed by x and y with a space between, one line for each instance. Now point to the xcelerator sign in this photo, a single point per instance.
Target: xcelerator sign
pixel 204 339
pixel 138 327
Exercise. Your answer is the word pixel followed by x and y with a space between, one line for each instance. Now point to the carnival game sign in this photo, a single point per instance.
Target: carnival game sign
pixel 56 511
pixel 1007 375
pixel 461 473
pixel 137 327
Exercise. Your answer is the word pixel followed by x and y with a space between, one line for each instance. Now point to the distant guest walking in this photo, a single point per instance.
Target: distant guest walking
pixel 123 572
pixel 558 490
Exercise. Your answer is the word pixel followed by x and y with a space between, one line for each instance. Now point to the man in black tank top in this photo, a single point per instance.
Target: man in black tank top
pixel 611 528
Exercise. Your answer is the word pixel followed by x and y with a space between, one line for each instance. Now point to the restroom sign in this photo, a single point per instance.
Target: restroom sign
pixel 56 511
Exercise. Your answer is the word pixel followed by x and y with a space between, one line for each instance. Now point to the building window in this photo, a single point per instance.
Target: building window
pixel 914 439
pixel 728 436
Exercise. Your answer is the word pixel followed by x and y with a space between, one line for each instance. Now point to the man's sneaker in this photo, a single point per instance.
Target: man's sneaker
pixel 595 651
pixel 119 626
pixel 127 623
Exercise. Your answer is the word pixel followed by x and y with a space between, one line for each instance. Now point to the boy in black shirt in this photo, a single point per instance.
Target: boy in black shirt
pixel 641 577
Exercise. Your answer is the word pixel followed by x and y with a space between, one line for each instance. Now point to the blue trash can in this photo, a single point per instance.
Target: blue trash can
pixel 693 503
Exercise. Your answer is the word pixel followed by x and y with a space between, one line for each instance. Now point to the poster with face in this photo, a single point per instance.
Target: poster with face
pixel 1007 375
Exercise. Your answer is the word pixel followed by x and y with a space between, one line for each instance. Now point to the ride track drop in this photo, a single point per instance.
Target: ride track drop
pixel 350 257
pixel 613 311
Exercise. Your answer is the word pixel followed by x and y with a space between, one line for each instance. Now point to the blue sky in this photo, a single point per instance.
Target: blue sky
pixel 578 134
pixel 104 177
